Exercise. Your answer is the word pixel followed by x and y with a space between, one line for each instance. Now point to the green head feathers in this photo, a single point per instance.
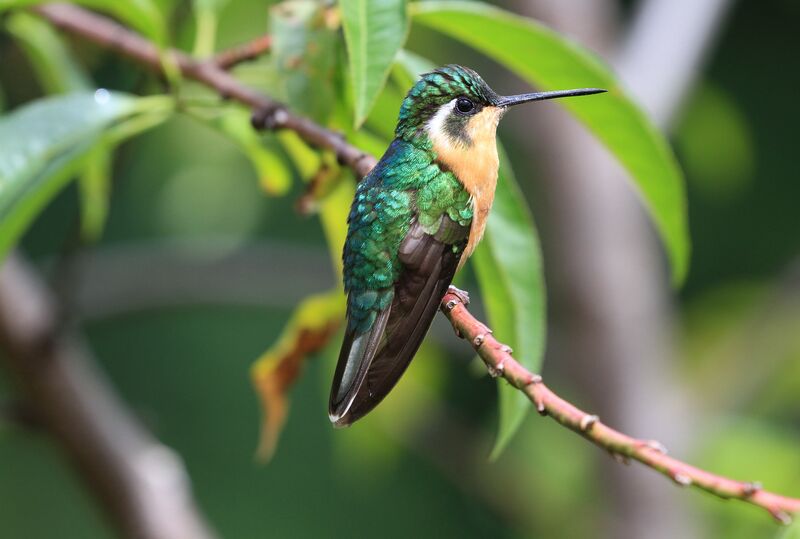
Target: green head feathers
pixel 437 89
pixel 451 95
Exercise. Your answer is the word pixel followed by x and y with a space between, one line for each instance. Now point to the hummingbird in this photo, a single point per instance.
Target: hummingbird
pixel 414 221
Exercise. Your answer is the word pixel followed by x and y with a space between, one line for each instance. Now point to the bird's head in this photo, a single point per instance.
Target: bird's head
pixel 452 107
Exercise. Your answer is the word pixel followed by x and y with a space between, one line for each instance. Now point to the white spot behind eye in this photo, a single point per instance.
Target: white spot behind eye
pixel 435 125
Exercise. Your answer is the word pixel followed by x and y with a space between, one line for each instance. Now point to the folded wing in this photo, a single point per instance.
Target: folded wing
pixel 370 364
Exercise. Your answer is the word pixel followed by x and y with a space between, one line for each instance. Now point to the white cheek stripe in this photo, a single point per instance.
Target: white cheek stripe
pixel 435 125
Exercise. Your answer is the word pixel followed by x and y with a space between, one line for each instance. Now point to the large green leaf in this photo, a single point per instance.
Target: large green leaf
pixel 143 15
pixel 43 144
pixel 508 265
pixel 58 72
pixel 550 61
pixel 374 31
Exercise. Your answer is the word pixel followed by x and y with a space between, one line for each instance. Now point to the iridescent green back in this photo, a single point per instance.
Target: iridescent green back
pixel 406 183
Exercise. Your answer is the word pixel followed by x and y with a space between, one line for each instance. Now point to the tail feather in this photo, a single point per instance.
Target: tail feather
pixel 354 361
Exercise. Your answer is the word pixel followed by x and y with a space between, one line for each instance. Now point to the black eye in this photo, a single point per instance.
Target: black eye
pixel 464 105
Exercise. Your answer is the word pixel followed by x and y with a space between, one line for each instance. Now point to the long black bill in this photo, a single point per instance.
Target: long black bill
pixel 511 100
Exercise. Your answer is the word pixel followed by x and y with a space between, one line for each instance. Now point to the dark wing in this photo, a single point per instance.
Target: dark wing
pixel 371 364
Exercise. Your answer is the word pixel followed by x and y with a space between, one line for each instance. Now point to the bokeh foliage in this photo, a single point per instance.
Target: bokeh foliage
pixel 188 181
pixel 306 65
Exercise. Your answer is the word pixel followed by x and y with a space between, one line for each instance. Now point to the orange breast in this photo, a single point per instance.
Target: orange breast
pixel 475 166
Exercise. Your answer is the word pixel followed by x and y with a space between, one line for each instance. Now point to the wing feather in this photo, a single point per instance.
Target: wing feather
pixel 429 263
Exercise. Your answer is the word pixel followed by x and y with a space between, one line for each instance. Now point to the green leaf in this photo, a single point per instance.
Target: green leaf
pixel 206 14
pixel 721 168
pixel 508 265
pixel 374 31
pixel 792 532
pixel 306 160
pixel 58 72
pixel 142 15
pixel 542 57
pixel 304 57
pixel 94 185
pixel 410 67
pixel 273 174
pixel 54 65
pixel 43 145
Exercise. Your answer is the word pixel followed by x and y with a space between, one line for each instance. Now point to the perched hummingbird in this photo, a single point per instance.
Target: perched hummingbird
pixel 415 220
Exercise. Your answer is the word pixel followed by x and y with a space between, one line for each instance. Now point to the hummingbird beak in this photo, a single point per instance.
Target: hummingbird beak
pixel 511 100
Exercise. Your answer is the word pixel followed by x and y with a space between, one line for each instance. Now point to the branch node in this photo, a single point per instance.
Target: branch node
pixel 460 294
pixel 748 489
pixel 494 372
pixel 540 407
pixel 450 304
pixel 682 479
pixel 781 516
pixel 588 421
pixel 534 379
pixel 655 445
pixel 478 340
pixel 270 118
pixel 507 349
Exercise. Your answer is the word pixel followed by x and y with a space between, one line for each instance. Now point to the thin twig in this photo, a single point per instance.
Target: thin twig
pixel 499 361
pixel 268 113
pixel 245 52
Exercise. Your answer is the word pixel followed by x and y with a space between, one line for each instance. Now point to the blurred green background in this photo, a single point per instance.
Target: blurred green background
pixel 178 345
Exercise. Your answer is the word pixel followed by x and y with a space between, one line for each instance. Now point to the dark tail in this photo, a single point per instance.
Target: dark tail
pixel 355 358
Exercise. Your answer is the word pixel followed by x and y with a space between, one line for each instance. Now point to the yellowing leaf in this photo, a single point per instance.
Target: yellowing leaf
pixel 309 330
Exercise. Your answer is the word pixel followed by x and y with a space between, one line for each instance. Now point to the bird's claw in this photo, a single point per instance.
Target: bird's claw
pixel 462 295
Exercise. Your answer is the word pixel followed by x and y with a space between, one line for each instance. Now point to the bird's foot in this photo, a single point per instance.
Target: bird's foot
pixel 462 295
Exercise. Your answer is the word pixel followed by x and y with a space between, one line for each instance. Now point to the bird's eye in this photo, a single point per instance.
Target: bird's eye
pixel 464 105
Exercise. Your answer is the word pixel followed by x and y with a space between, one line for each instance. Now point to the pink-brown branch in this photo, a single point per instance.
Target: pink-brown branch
pixel 245 52
pixel 500 362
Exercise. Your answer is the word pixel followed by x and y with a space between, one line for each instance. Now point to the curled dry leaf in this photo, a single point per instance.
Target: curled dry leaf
pixel 321 184
pixel 311 327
